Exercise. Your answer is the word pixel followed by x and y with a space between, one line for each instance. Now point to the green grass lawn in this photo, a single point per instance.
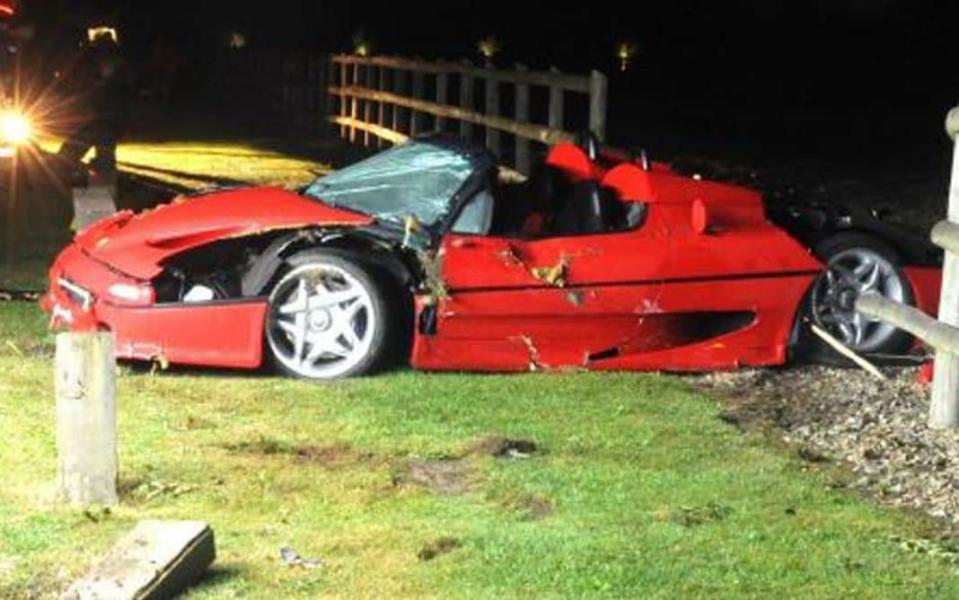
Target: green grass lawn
pixel 636 489
pixel 198 164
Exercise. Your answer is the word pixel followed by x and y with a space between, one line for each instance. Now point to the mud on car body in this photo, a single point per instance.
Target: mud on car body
pixel 421 254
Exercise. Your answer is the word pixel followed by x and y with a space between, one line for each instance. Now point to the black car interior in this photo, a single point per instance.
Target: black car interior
pixel 550 204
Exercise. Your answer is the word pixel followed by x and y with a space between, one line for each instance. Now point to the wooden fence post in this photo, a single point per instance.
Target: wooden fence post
pixel 492 110
pixel 555 119
pixel 344 82
pixel 381 115
pixel 597 104
pixel 944 409
pixel 416 117
pixel 354 102
pixel 400 86
pixel 442 87
pixel 371 72
pixel 522 163
pixel 369 94
pixel 466 100
pixel 86 418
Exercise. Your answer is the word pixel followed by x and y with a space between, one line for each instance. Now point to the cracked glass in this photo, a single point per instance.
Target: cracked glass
pixel 415 179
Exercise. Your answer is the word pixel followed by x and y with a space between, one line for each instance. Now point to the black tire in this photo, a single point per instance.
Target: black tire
pixel 389 311
pixel 897 342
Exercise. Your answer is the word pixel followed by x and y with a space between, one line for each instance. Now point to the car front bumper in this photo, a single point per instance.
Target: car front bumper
pixel 219 333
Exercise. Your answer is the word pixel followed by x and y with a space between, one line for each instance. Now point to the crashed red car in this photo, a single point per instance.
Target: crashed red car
pixel 420 253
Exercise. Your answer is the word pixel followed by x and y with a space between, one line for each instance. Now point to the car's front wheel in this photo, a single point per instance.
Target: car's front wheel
pixel 328 318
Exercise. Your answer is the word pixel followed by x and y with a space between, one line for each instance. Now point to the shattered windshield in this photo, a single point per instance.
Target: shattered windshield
pixel 416 179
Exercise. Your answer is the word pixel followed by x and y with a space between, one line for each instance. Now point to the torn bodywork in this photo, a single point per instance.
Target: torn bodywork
pixel 198 295
pixel 588 264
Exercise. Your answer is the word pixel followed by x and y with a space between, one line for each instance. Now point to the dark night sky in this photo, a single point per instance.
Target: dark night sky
pixel 721 62
pixel 761 32
pixel 820 44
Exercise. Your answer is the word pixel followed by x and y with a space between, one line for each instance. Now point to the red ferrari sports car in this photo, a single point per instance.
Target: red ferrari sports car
pixel 420 253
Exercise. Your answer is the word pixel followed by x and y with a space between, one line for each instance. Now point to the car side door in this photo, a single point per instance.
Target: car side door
pixel 555 301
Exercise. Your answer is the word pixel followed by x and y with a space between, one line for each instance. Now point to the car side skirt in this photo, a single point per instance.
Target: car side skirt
pixel 690 326
pixel 221 334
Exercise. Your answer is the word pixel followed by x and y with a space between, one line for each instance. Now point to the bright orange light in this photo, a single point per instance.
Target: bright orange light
pixel 489 47
pixel 15 128
pixel 96 33
pixel 625 51
pixel 237 41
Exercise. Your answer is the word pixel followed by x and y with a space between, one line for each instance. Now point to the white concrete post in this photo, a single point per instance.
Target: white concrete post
pixel 86 418
pixel 944 409
pixel 90 204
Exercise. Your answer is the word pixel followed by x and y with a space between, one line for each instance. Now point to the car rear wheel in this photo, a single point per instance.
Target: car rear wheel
pixel 857 264
pixel 328 318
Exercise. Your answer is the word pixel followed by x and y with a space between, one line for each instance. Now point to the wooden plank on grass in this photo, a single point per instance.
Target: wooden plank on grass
pixel 156 559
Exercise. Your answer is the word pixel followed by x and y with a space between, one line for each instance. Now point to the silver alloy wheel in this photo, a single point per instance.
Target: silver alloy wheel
pixel 321 321
pixel 849 274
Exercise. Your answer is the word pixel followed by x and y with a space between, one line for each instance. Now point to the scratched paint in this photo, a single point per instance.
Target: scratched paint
pixel 647 298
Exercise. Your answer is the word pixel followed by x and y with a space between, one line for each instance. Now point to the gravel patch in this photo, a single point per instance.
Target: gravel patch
pixel 878 428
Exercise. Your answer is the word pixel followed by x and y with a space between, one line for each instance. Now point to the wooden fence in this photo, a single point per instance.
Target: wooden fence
pixel 386 100
pixel 941 334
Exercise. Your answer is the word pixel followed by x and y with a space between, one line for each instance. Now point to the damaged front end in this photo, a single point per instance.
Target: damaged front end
pixel 194 290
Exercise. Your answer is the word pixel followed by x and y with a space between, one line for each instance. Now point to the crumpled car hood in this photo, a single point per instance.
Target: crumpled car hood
pixel 137 244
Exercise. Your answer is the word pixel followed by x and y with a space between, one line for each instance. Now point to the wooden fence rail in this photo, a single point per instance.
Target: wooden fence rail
pixel 941 334
pixel 392 99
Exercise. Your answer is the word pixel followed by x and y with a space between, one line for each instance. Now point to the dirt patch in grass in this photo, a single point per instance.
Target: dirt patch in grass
pixel 143 490
pixel 531 507
pixel 692 516
pixel 339 454
pixel 334 455
pixel 502 447
pixel 48 584
pixel 438 547
pixel 261 446
pixel 446 477
pixel 876 429
pixel 456 474
pixel 194 423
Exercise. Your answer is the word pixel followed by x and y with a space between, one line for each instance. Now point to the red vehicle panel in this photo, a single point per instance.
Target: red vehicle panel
pixel 630 266
pixel 137 244
pixel 228 335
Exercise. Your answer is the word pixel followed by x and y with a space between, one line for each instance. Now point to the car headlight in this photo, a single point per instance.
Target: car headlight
pixel 15 127
pixel 135 294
